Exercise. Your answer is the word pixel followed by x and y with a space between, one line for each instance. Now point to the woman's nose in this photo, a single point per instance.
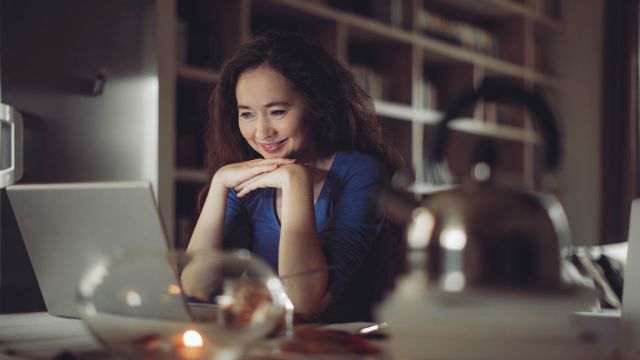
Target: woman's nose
pixel 263 128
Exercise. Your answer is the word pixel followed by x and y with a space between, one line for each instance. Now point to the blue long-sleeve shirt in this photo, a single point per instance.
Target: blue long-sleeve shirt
pixel 354 235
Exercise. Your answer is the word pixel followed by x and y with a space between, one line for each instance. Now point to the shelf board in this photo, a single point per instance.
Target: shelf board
pixel 468 125
pixel 192 175
pixel 504 132
pixel 490 63
pixel 498 9
pixel 361 24
pixel 406 112
pixel 550 23
pixel 197 74
pixel 425 188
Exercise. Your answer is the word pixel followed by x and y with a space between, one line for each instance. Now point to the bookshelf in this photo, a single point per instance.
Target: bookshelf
pixel 411 68
pixel 196 74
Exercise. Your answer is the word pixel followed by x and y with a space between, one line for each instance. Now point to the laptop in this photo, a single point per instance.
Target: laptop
pixel 68 228
pixel 630 316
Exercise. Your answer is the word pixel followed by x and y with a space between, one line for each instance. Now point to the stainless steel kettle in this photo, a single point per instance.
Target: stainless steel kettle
pixel 492 233
pixel 488 273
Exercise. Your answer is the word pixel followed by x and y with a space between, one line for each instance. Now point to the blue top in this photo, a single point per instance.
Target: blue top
pixel 354 235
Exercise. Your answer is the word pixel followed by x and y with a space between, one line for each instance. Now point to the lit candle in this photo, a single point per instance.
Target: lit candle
pixel 191 346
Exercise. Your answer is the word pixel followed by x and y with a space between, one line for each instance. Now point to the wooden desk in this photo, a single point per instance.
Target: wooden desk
pixel 39 336
pixel 42 336
pixel 36 336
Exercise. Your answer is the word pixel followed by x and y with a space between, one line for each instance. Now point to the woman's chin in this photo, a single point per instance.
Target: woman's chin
pixel 272 157
pixel 279 155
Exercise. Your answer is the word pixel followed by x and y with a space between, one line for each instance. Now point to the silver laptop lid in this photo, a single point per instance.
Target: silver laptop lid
pixel 69 227
pixel 630 317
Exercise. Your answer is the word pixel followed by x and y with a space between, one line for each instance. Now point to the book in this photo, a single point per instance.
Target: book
pixel 468 36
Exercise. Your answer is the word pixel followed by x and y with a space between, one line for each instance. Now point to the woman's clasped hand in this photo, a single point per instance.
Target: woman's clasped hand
pixel 249 175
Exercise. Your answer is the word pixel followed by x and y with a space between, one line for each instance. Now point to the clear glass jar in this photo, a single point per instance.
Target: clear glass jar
pixel 183 306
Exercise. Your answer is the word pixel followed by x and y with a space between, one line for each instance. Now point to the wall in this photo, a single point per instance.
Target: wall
pixel 51 51
pixel 578 54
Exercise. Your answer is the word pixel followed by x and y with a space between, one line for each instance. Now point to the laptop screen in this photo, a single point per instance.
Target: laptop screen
pixel 630 317
pixel 70 227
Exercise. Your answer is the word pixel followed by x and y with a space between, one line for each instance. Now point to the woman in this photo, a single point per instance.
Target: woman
pixel 299 159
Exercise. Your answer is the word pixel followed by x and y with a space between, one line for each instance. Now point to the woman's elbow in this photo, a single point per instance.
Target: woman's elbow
pixel 310 307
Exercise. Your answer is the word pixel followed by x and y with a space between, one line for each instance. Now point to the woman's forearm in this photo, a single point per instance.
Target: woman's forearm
pixel 300 249
pixel 209 229
pixel 207 235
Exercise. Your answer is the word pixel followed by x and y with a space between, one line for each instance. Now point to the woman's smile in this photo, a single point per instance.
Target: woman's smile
pixel 274 147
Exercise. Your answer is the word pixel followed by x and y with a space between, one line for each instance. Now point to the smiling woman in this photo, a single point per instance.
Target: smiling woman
pixel 299 160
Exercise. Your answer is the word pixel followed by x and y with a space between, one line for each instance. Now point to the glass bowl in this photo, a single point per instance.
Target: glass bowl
pixel 176 305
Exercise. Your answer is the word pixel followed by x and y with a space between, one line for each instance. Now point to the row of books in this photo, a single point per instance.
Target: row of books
pixel 199 45
pixel 466 35
pixel 392 12
pixel 397 12
pixel 191 122
pixel 370 80
pixel 551 8
pixel 374 84
pixel 190 151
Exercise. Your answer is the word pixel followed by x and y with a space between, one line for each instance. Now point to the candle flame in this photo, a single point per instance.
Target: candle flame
pixel 192 338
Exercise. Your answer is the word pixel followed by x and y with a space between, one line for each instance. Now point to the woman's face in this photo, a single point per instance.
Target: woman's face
pixel 273 117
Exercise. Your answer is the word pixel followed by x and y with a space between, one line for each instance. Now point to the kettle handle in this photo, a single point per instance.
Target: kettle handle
pixel 502 90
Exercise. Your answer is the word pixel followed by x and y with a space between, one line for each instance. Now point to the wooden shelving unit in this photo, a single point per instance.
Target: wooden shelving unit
pixel 192 175
pixel 198 74
pixel 407 63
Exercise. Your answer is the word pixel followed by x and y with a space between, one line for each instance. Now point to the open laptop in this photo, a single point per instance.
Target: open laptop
pixel 68 228
pixel 630 316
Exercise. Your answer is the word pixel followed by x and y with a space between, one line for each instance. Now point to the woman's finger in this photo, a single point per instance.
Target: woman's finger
pixel 254 171
pixel 250 186
pixel 239 173
pixel 279 161
pixel 244 183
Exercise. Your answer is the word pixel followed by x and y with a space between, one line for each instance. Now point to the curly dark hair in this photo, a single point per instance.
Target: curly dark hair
pixel 347 114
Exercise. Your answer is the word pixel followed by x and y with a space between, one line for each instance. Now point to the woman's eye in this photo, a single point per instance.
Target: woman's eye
pixel 246 115
pixel 278 112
